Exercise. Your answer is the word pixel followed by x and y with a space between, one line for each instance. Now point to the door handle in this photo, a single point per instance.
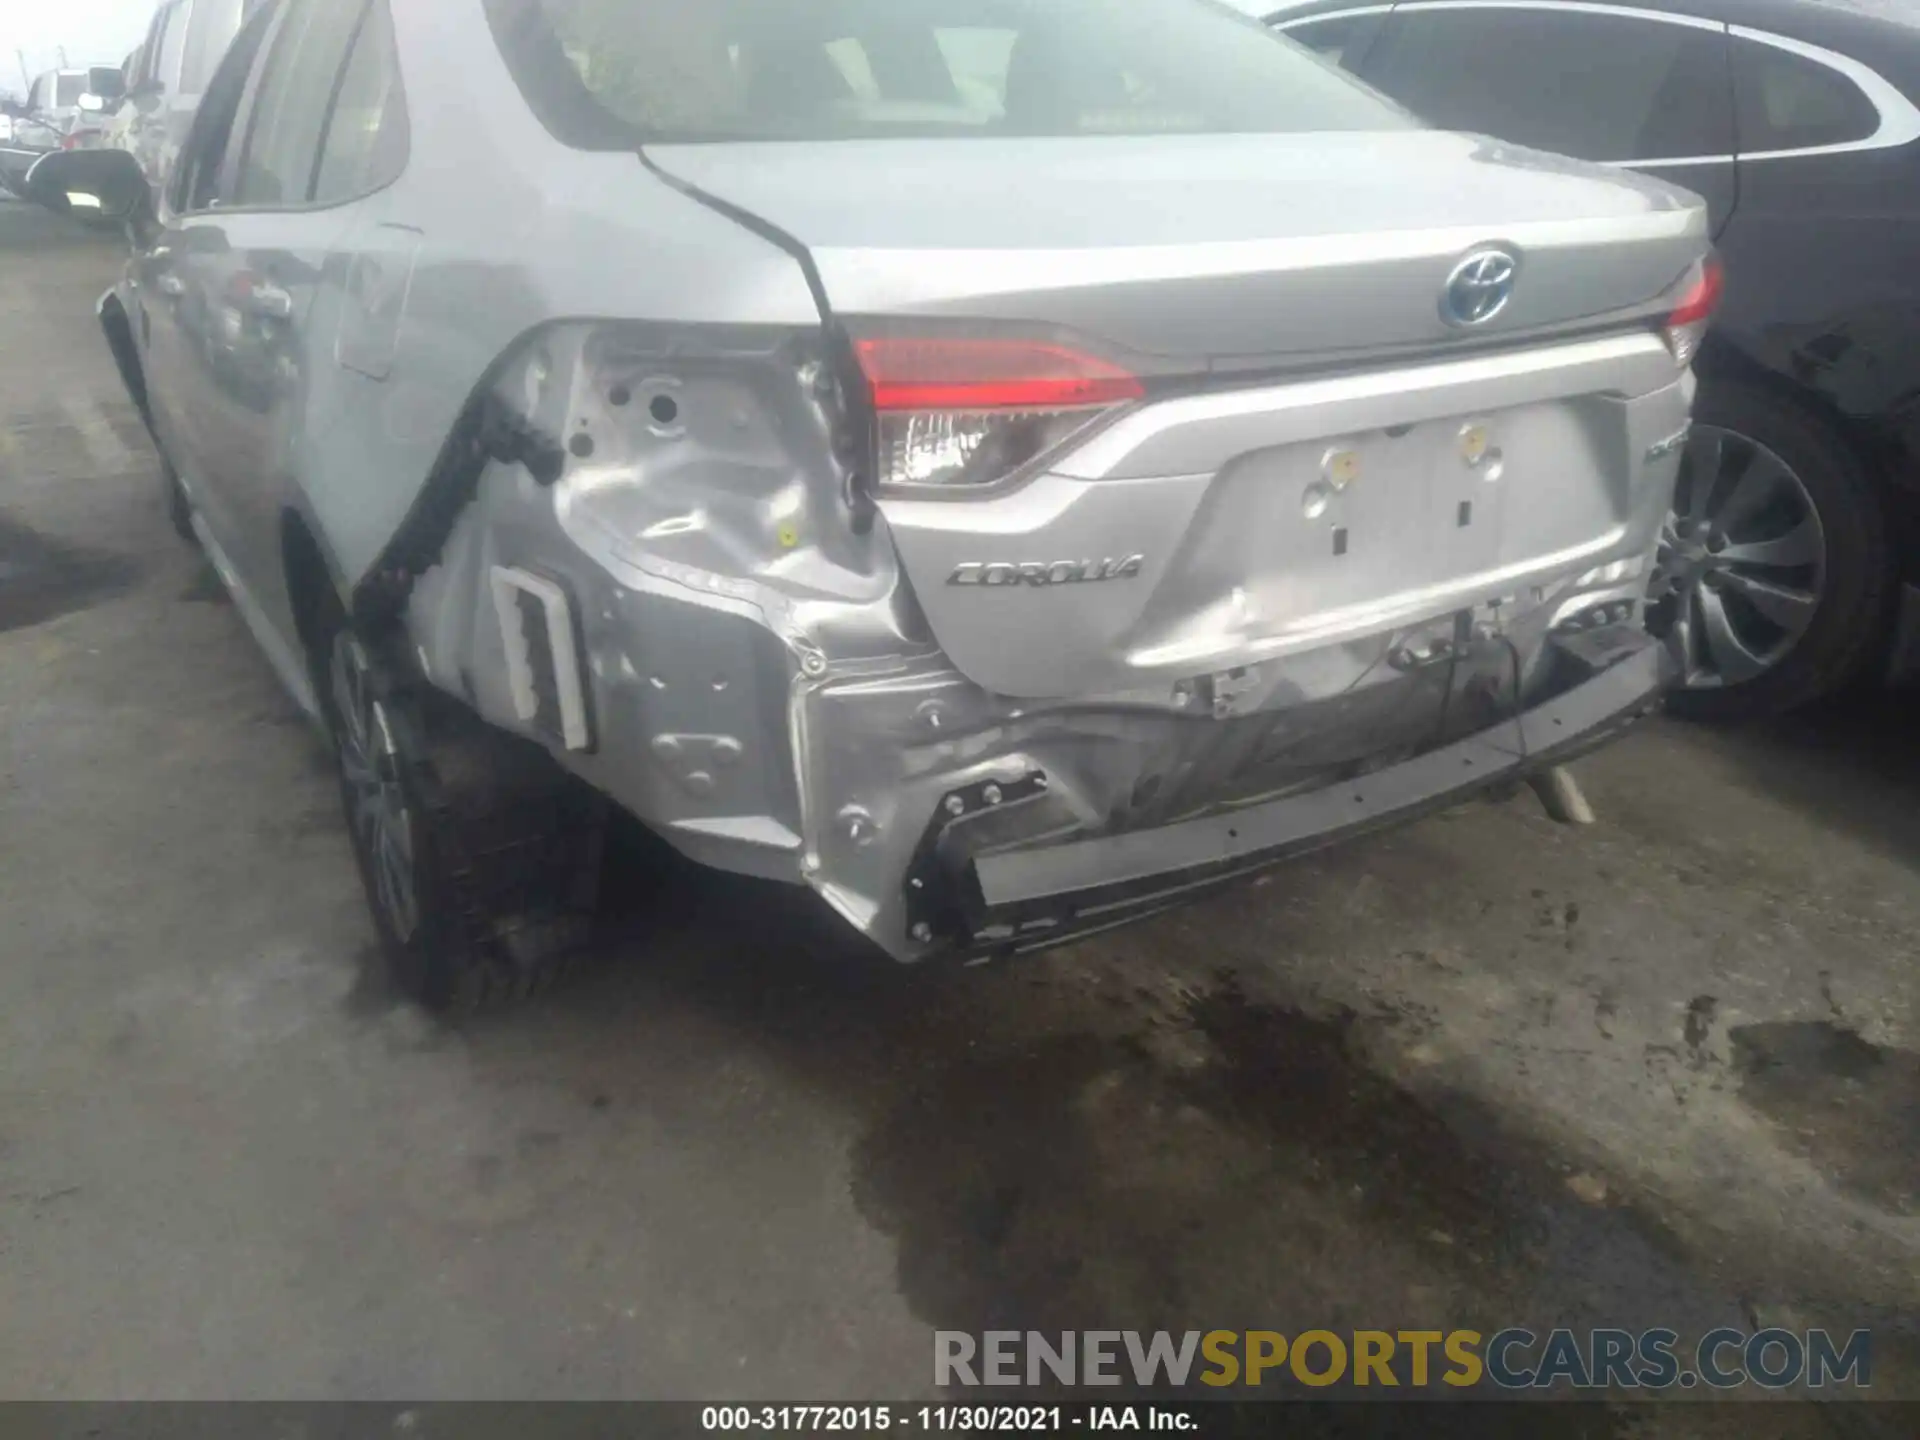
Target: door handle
pixel 269 302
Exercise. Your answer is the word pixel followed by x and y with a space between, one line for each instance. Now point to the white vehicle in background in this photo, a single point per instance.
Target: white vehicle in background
pixel 62 99
pixel 106 91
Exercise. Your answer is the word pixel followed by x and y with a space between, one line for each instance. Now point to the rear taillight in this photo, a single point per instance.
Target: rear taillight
pixel 972 411
pixel 1687 325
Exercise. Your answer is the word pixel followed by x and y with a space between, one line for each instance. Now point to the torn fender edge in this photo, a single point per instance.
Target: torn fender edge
pixel 487 430
pixel 855 398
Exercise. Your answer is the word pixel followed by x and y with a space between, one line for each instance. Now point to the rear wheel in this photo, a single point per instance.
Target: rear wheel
pixel 479 857
pixel 1774 573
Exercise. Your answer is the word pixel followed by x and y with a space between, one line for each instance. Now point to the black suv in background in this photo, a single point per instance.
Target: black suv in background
pixel 1790 565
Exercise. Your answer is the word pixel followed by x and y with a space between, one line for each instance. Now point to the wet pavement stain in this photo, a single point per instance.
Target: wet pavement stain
pixel 42 579
pixel 1241 1166
pixel 1050 1146
pixel 1850 1107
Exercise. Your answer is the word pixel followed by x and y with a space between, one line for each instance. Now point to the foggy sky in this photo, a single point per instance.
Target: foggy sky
pixel 92 31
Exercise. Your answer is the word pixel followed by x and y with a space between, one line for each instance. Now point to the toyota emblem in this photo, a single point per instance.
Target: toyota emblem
pixel 1479 287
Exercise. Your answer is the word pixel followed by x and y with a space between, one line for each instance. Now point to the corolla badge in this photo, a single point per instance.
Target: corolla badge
pixel 1033 572
pixel 1479 287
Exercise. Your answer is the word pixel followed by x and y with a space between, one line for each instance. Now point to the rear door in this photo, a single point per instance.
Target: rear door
pixel 169 311
pixel 1619 86
pixel 257 288
pixel 1827 288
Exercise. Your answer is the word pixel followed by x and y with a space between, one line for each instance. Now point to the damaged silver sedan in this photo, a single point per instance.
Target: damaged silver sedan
pixel 1009 465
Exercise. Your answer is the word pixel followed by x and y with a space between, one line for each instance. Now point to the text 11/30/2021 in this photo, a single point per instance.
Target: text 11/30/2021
pixel 938 1419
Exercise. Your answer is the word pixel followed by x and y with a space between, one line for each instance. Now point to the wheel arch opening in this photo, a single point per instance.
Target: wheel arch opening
pixel 310 588
pixel 117 326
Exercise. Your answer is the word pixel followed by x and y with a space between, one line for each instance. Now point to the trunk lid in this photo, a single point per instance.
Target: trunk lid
pixel 1352 462
pixel 1215 249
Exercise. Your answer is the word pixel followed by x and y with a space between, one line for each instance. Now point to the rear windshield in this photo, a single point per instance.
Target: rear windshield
pixel 69 90
pixel 624 72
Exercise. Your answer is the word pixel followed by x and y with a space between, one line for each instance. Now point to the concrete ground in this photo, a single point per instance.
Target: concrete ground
pixel 1483 1071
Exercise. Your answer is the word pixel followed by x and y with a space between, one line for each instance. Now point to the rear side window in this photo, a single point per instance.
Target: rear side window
pixel 1789 102
pixel 290 108
pixel 217 123
pixel 1596 87
pixel 366 145
pixel 615 73
pixel 1331 37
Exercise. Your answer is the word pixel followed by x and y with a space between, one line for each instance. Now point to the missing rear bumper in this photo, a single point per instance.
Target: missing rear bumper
pixel 1020 898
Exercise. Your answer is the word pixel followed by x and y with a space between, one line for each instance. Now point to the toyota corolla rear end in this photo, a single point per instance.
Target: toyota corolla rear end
pixel 1196 462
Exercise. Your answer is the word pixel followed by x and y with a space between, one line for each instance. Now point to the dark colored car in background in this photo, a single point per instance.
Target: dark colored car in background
pixel 1790 566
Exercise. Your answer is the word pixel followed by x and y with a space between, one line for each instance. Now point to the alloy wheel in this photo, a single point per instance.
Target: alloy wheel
pixel 377 805
pixel 1741 564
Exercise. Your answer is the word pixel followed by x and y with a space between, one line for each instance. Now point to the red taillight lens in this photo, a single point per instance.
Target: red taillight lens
pixel 973 411
pixel 1702 297
pixel 1686 327
pixel 988 375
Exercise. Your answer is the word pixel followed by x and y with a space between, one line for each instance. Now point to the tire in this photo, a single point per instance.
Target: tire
pixel 478 856
pixel 1821 621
